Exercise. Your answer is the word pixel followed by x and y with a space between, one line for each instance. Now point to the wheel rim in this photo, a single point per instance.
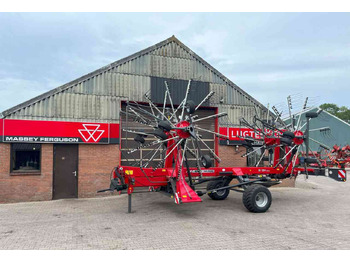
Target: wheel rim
pixel 261 199
pixel 220 192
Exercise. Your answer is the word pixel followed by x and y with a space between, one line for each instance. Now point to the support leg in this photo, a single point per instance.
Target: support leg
pixel 129 203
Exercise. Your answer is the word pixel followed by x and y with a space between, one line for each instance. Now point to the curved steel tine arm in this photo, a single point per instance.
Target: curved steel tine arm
pixel 143 121
pixel 289 102
pixel 136 119
pixel 174 114
pixel 152 157
pixel 326 128
pixel 245 122
pixel 264 125
pixel 185 99
pixel 212 132
pixel 318 142
pixel 151 108
pixel 295 160
pixel 151 144
pixel 149 153
pixel 191 152
pixel 183 156
pixel 136 132
pixel 212 116
pixel 249 153
pixel 176 145
pixel 258 116
pixel 160 112
pixel 290 151
pixel 304 107
pixel 262 155
pixel 278 116
pixel 164 103
pixel 205 99
pixel 210 150
pixel 302 126
pixel 148 113
pixel 197 157
pixel 170 99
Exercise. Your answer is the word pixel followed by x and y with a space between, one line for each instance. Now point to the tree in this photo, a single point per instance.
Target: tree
pixel 342 112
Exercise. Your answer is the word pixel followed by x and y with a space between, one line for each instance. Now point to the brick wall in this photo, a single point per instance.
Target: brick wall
pixel 95 165
pixel 230 157
pixel 18 188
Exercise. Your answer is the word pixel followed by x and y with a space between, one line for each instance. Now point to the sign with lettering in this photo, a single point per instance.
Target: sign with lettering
pixel 32 131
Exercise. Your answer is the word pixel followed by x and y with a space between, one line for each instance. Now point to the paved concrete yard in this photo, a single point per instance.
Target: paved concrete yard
pixel 315 215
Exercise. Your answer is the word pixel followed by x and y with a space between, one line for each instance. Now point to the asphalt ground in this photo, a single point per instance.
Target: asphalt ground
pixel 313 215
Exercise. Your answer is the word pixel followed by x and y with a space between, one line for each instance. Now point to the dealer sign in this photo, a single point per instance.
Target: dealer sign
pixel 29 131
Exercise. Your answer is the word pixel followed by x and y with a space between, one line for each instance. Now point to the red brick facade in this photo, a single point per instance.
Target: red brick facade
pixel 95 165
pixel 25 187
pixel 231 156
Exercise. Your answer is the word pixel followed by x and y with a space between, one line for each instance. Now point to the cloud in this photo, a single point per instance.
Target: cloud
pixel 14 91
pixel 261 52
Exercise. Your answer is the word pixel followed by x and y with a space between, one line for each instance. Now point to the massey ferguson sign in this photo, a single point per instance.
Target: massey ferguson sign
pixel 28 131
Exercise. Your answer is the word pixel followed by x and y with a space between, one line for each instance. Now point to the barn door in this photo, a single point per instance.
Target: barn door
pixel 65 173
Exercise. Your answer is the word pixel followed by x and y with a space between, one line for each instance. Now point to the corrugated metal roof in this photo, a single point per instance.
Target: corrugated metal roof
pixel 96 96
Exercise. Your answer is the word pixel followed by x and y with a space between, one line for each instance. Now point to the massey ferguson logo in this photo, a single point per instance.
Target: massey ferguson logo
pixel 91 132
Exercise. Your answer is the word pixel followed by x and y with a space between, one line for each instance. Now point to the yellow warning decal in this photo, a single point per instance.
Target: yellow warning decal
pixel 184 196
pixel 163 170
pixel 129 172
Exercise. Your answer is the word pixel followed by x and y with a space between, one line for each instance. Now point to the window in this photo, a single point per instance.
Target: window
pixel 25 158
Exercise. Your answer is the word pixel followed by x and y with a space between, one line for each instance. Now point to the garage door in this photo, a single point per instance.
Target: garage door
pixel 152 156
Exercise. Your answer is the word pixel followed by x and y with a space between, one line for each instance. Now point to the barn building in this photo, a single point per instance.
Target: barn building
pixel 65 142
pixel 326 130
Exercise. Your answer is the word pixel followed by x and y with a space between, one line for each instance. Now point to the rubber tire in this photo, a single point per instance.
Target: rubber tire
pixel 160 134
pixel 286 141
pixel 249 196
pixel 139 139
pixel 288 134
pixel 164 125
pixel 190 107
pixel 216 184
pixel 206 161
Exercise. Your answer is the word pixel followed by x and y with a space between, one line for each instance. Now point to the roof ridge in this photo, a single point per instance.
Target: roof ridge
pixel 337 117
pixel 87 76
pixel 119 62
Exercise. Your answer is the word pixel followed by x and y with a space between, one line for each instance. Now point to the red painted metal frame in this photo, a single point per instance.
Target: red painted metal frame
pixel 154 178
pixel 175 172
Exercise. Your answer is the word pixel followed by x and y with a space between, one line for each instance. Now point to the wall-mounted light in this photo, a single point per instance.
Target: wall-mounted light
pixel 237 147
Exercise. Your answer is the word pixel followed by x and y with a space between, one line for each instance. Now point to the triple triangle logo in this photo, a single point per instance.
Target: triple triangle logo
pixel 91 131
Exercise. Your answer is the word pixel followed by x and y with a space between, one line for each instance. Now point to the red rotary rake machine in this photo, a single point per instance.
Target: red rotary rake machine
pixel 176 157
pixel 337 156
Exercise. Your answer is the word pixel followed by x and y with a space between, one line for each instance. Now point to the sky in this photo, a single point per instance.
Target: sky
pixel 269 55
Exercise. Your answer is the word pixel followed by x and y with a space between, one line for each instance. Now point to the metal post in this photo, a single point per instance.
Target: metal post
pixel 129 203
pixel 307 137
